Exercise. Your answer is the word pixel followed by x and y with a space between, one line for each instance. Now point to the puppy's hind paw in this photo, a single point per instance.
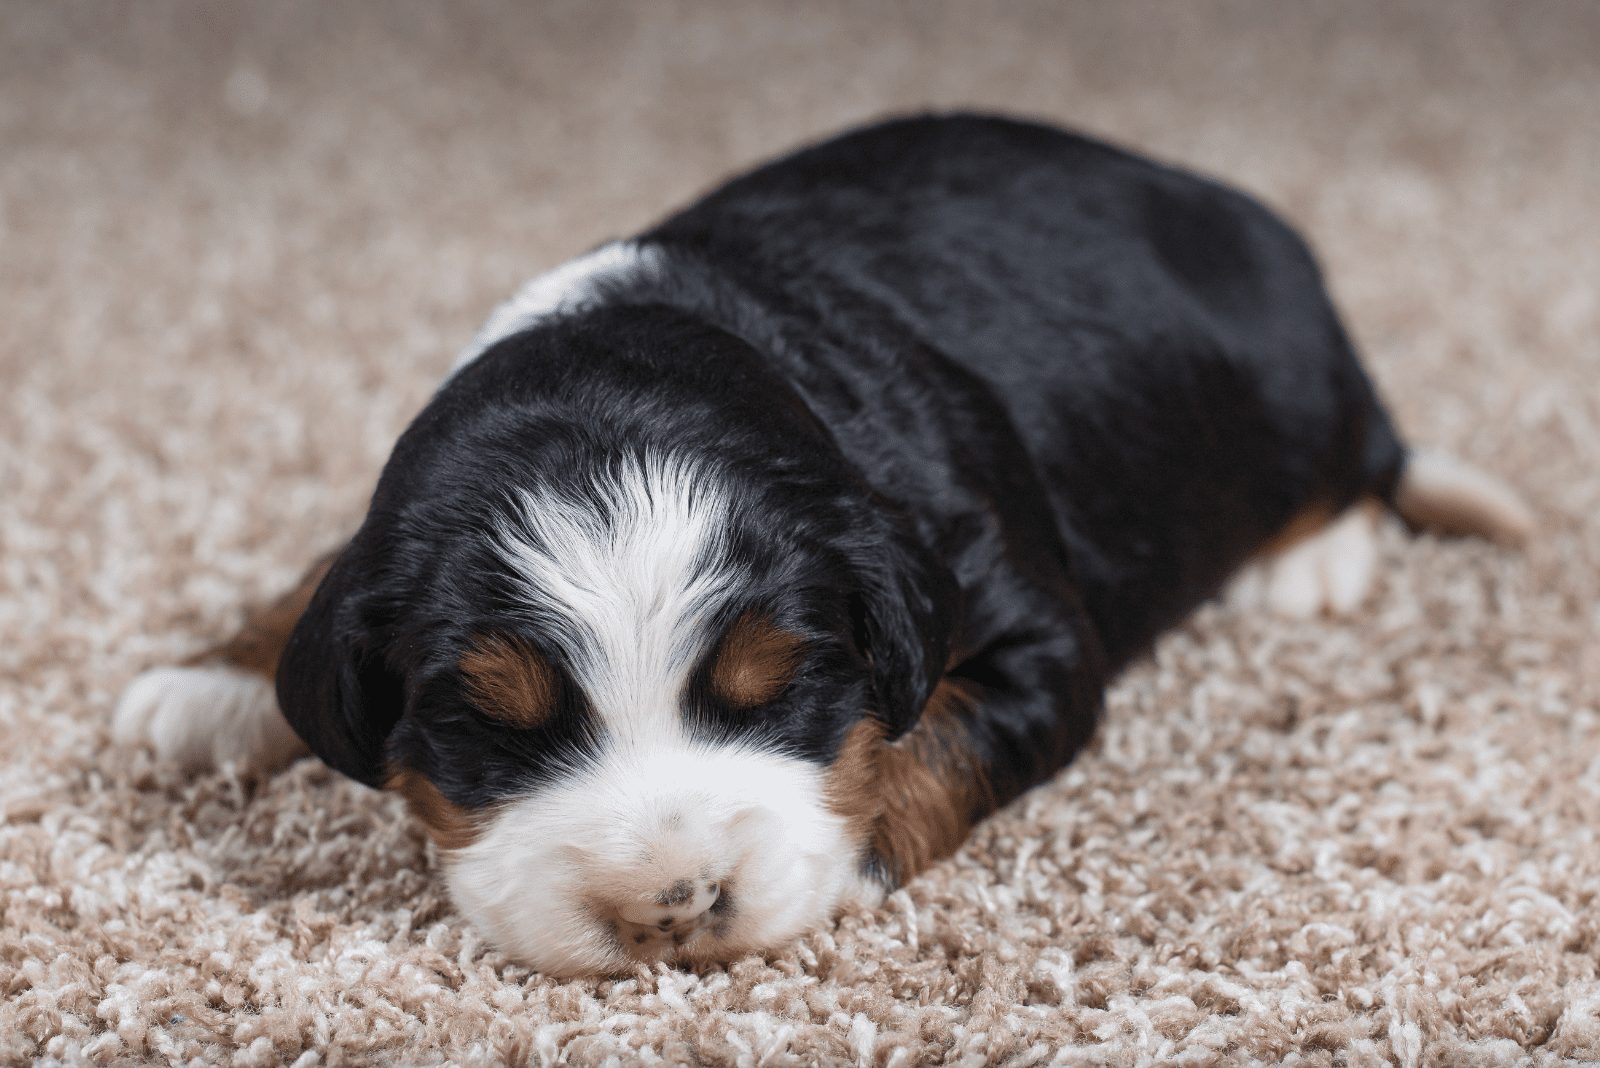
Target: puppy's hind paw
pixel 203 716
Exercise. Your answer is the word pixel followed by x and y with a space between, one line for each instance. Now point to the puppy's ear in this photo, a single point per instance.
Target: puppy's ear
pixel 334 686
pixel 906 603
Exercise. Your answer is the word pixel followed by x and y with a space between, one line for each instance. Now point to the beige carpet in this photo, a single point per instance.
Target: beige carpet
pixel 237 249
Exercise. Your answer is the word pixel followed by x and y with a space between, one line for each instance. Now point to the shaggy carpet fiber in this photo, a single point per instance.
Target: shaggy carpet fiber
pixel 238 247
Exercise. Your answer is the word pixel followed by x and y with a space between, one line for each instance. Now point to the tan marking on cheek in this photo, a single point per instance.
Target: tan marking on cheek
pixel 509 680
pixel 449 825
pixel 755 662
pixel 913 800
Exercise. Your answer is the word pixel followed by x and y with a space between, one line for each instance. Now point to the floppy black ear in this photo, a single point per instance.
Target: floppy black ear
pixel 906 608
pixel 334 686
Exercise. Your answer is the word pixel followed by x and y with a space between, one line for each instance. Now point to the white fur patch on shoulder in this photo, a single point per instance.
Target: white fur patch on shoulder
pixel 201 717
pixel 573 286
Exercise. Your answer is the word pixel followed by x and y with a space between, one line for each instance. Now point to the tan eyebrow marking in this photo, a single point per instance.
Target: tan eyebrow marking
pixel 755 661
pixel 509 680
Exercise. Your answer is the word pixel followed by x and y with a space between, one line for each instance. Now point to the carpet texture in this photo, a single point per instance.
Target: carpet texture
pixel 238 247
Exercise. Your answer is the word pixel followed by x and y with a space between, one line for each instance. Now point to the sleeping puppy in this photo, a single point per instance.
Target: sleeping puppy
pixel 739 567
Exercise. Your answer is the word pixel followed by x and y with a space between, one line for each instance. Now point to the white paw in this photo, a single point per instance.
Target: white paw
pixel 201 717
pixel 1329 573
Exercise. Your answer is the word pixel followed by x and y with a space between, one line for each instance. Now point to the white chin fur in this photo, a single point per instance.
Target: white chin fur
pixel 558 873
pixel 201 717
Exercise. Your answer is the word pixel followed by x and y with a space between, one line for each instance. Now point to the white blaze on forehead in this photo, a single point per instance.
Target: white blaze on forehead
pixel 574 286
pixel 624 578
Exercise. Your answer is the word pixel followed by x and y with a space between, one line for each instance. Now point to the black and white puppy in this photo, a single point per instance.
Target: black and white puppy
pixel 739 567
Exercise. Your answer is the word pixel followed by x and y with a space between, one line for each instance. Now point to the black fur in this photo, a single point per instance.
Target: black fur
pixel 994 399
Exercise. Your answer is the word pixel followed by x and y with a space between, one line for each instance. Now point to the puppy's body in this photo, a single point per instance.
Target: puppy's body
pixel 742 566
pixel 1133 375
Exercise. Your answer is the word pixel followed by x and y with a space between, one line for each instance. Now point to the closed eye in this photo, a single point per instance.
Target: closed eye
pixel 755 662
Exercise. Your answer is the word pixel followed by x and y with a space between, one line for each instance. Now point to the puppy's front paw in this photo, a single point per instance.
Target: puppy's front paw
pixel 203 716
pixel 1329 573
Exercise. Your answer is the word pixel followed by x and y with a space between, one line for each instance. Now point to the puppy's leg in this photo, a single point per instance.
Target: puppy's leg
pixel 222 705
pixel 1440 493
pixel 1320 564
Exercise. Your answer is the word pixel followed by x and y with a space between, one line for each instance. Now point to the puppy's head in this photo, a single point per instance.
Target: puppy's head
pixel 636 703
